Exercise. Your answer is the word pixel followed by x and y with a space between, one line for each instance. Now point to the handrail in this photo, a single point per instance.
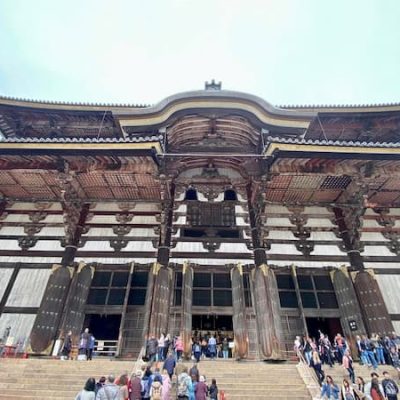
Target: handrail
pixel 105 347
pixel 139 360
pixel 313 386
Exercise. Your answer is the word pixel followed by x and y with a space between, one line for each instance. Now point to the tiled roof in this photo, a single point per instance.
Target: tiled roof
pixel 135 139
pixel 272 139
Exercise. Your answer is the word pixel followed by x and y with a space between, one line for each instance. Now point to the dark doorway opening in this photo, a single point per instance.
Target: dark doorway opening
pixel 212 322
pixel 328 326
pixel 103 327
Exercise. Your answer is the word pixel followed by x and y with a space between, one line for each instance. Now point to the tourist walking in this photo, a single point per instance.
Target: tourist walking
pixel 347 391
pixel 123 392
pixel 166 385
pixel 317 366
pixel 201 389
pixel 376 391
pixel 178 348
pixel 348 365
pixel 161 343
pixel 91 344
pixel 390 388
pixel 135 386
pixel 67 347
pixel 197 351
pixel 109 391
pixel 151 349
pixel 84 343
pixel 213 390
pixel 330 390
pixel 167 344
pixel 156 390
pixel 88 392
pixel 170 364
pixel 225 348
pixel 184 385
pixel 212 347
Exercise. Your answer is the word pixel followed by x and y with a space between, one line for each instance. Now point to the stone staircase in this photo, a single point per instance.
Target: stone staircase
pixel 62 380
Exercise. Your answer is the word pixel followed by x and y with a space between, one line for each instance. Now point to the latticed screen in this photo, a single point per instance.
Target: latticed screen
pixel 211 214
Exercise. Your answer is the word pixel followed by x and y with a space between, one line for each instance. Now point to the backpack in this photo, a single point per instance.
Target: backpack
pixel 156 391
pixel 182 386
pixel 390 388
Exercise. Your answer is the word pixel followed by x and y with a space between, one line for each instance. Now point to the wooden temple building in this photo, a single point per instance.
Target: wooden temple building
pixel 211 210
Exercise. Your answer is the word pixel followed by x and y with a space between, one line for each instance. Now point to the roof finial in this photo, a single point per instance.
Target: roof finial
pixel 213 85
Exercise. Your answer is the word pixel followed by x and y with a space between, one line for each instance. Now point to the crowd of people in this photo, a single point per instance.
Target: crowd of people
pixel 85 349
pixel 202 346
pixel 173 381
pixel 372 351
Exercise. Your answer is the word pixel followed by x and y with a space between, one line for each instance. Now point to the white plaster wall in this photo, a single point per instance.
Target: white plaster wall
pixel 28 288
pixel 316 210
pixel 182 208
pixel 181 220
pixel 139 246
pixel 233 248
pixel 31 259
pixel 21 326
pixel 52 231
pixel 110 219
pixel 49 245
pixel 9 244
pixel 5 275
pixel 113 207
pixel 370 223
pixel 272 221
pixel 378 265
pixel 273 209
pixel 325 250
pixel 390 285
pixel 12 230
pixel 240 221
pixel 97 246
pixel 281 235
pixel 321 235
pixel 195 247
pixel 211 261
pixel 377 251
pixel 277 248
pixel 394 211
pixel 373 236
pixel 31 206
pixel 319 223
pixel 306 264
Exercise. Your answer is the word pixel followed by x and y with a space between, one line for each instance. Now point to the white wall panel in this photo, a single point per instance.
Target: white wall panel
pixel 97 246
pixel 31 259
pixel 377 251
pixel 21 326
pixel 139 246
pixel 320 235
pixel 281 235
pixel 370 223
pixel 320 222
pixel 389 285
pixel 52 231
pixel 12 230
pixel 396 326
pixel 278 222
pixel 307 264
pixel 378 265
pixel 193 247
pixel 373 237
pixel 5 275
pixel 28 288
pixel 31 206
pixel 277 248
pixel 233 248
pixel 327 250
pixel 9 244
pixel 49 245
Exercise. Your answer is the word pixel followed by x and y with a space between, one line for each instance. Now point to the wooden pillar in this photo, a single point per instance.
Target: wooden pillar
pixel 239 313
pixel 267 309
pixel 370 299
pixel 350 311
pixel 187 300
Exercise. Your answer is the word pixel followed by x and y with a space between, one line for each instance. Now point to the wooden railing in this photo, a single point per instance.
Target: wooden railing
pixel 105 348
pixel 309 376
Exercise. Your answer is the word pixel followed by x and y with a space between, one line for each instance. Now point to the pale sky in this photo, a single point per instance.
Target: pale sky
pixel 140 51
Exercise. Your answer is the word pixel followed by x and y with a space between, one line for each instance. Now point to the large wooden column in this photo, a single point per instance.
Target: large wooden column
pixel 187 300
pixel 265 295
pixel 162 274
pixel 239 313
pixel 370 299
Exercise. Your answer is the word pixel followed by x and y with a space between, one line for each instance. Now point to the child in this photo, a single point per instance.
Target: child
pixel 213 390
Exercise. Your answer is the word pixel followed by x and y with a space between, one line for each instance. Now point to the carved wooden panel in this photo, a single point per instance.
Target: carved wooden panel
pixel 45 325
pixel 187 296
pixel 350 312
pixel 267 313
pixel 239 314
pixel 373 306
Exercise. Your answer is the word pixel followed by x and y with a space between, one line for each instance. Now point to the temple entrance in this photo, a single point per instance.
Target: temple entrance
pixel 103 327
pixel 212 323
pixel 328 326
